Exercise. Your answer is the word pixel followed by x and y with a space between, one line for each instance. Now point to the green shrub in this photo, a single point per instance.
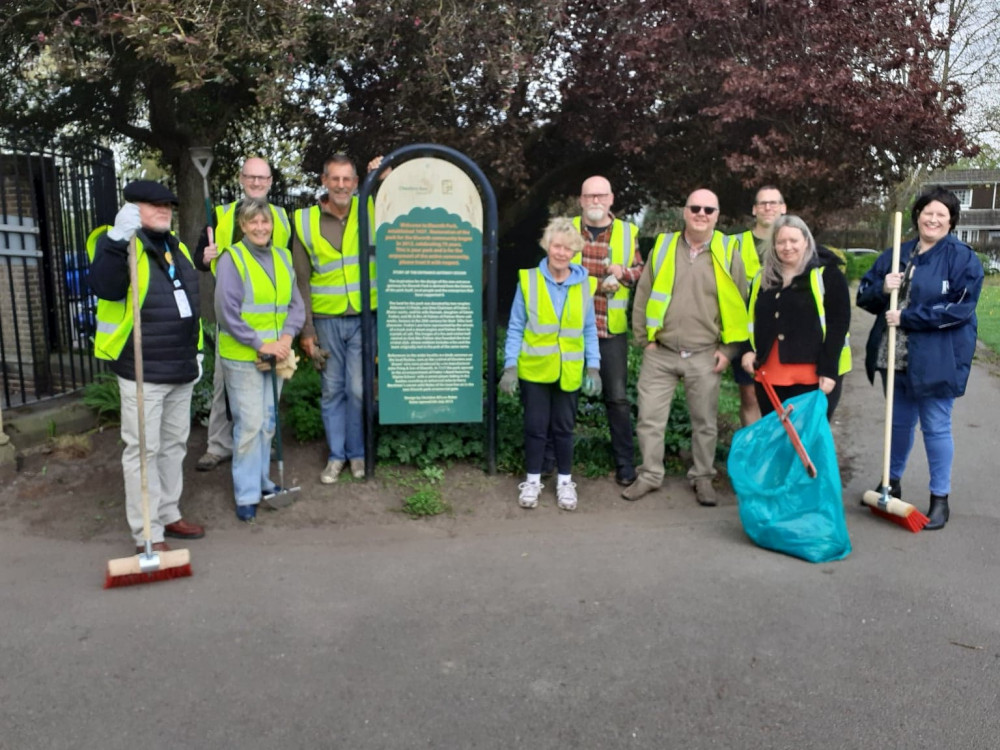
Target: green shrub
pixel 859 264
pixel 102 396
pixel 300 397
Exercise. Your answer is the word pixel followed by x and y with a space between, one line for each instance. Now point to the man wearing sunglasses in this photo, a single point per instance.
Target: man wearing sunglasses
pixel 768 205
pixel 255 179
pixel 690 316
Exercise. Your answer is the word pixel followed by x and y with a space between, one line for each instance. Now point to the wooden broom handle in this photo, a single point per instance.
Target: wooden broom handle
pixel 890 375
pixel 133 278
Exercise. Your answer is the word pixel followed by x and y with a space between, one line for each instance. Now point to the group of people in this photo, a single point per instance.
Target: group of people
pixel 768 301
pixel 276 279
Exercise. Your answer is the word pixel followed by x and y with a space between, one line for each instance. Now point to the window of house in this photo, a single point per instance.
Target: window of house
pixel 964 196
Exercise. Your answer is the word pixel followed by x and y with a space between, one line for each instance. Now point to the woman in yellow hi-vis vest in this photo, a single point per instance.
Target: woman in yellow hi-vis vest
pixel 551 355
pixel 260 311
pixel 800 313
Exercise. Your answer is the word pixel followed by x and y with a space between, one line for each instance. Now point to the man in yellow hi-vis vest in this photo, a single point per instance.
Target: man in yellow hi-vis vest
pixel 255 179
pixel 753 244
pixel 171 336
pixel 690 317
pixel 327 257
pixel 611 258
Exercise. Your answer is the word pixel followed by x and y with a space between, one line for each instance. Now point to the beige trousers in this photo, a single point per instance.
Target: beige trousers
pixel 661 371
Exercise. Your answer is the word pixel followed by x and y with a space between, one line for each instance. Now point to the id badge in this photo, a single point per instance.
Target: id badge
pixel 183 306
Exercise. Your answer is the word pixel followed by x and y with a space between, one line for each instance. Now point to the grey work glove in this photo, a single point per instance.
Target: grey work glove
pixel 508 382
pixel 126 223
pixel 592 382
pixel 319 358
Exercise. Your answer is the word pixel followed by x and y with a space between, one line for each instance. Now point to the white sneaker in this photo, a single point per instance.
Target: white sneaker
pixel 566 496
pixel 529 494
pixel 332 471
pixel 358 468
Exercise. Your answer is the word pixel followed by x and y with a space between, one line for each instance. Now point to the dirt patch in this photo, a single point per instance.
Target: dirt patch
pixel 61 494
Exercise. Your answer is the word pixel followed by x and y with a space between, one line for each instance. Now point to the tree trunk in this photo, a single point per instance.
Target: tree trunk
pixel 191 221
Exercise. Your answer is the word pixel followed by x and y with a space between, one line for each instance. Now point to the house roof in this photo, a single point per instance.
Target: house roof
pixel 964 177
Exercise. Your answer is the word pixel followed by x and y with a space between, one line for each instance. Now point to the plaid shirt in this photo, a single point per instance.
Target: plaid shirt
pixel 593 258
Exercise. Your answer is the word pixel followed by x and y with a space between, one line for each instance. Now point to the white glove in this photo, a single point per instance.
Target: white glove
pixel 610 284
pixel 126 223
pixel 201 367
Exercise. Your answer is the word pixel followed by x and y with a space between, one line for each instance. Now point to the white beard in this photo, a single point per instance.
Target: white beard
pixel 594 214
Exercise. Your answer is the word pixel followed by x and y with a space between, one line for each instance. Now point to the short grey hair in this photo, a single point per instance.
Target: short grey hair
pixel 562 225
pixel 251 208
pixel 771 268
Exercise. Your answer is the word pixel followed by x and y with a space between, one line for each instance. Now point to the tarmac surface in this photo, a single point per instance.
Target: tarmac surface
pixel 656 624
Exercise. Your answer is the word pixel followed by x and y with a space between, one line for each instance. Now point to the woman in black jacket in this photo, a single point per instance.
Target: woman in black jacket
pixel 800 313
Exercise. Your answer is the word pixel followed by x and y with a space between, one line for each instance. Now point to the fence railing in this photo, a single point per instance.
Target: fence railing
pixel 51 195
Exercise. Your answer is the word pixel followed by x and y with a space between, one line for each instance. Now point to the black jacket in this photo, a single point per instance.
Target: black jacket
pixel 169 342
pixel 789 315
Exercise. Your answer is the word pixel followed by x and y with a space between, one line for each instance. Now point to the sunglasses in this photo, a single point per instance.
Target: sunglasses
pixel 708 210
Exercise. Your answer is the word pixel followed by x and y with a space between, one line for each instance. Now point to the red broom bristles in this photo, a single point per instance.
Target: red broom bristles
pixel 133 579
pixel 913 521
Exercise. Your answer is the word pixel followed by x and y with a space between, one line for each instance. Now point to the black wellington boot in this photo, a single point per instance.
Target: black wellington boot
pixel 938 513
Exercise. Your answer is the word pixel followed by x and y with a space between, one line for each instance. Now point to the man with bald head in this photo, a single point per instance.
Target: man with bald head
pixel 611 257
pixel 690 317
pixel 255 179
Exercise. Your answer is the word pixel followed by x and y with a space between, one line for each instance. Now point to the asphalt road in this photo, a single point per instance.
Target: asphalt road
pixel 662 627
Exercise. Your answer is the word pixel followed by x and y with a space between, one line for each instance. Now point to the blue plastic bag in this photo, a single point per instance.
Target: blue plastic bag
pixel 781 507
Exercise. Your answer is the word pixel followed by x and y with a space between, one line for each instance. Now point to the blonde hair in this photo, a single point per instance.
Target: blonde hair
pixel 251 208
pixel 562 225
pixel 771 267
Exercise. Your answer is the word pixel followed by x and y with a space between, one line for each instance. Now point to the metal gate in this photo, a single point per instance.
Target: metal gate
pixel 51 196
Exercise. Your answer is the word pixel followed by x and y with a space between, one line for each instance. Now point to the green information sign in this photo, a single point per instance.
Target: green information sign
pixel 429 248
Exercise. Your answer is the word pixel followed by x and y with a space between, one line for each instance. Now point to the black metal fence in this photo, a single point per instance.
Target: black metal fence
pixel 51 195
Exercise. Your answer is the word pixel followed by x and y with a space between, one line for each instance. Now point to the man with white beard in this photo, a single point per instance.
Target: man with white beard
pixel 611 257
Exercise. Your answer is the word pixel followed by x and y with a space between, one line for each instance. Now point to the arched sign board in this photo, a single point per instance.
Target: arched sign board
pixel 429 255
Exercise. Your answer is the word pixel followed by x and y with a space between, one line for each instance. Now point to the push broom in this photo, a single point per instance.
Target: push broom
pixel 148 566
pixel 881 503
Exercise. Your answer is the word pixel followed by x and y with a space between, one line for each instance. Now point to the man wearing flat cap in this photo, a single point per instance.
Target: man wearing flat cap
pixel 171 339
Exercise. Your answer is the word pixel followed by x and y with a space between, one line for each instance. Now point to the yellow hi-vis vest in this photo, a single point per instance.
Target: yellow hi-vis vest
pixel 225 227
pixel 748 251
pixel 622 253
pixel 819 292
pixel 114 317
pixel 552 348
pixel 265 303
pixel 336 274
pixel 732 308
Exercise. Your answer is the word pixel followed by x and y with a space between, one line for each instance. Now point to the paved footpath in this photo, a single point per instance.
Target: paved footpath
pixel 658 628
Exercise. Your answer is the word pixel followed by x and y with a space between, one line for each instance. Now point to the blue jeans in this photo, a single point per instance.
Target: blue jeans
pixel 251 401
pixel 935 424
pixel 341 395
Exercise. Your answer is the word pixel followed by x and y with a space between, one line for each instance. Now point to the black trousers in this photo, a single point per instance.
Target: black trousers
pixel 614 379
pixel 549 413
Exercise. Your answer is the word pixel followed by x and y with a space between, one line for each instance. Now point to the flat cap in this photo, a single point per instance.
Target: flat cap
pixel 147 191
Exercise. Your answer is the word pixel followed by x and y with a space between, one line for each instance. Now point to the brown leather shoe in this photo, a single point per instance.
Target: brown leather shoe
pixel 157 547
pixel 638 488
pixel 181 529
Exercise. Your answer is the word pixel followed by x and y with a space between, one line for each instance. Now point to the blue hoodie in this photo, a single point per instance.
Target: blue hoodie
pixel 557 293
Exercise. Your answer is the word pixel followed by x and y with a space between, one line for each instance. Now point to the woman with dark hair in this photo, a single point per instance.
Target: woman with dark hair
pixel 939 287
pixel 800 312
